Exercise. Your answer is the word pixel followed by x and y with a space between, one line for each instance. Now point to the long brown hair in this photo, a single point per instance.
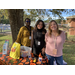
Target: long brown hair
pixel 49 28
pixel 38 23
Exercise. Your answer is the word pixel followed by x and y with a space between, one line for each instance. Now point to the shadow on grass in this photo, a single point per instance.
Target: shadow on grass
pixel 69 53
pixel 1 40
pixel 2 35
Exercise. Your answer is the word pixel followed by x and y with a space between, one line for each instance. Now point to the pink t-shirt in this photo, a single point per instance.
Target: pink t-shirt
pixel 59 44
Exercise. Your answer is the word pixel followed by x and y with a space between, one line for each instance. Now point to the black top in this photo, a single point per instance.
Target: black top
pixel 38 36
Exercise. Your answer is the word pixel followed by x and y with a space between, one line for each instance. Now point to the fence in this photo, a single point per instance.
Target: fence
pixel 5 28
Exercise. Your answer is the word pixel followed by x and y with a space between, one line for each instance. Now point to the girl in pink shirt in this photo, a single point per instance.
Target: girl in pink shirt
pixel 55 39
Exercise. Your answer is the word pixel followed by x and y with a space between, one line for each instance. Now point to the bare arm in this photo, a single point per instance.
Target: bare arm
pixel 32 41
pixel 43 49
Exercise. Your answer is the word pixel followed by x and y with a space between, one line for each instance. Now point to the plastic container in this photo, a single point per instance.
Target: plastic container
pixel 25 51
pixel 29 53
pixel 7 41
pixel 5 48
pixel 40 59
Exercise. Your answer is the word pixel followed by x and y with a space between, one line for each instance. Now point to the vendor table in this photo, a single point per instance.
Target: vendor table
pixel 5 59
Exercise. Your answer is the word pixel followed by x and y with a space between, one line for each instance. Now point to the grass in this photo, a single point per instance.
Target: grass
pixel 68 49
pixel 2 40
pixel 69 53
pixel 6 31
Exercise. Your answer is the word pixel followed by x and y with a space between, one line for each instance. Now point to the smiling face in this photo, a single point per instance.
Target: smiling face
pixel 27 22
pixel 53 26
pixel 40 25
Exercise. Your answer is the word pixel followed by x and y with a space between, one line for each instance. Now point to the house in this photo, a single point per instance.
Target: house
pixel 71 24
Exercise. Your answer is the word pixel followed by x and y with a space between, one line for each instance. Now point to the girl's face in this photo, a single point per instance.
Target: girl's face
pixel 53 26
pixel 40 25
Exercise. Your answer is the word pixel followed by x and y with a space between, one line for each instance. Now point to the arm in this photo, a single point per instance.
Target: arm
pixel 45 41
pixel 46 35
pixel 32 40
pixel 43 49
pixel 19 36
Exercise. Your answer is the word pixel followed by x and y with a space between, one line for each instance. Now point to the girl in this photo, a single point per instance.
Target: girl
pixel 55 39
pixel 38 38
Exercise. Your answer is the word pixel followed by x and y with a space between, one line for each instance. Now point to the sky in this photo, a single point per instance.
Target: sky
pixel 64 14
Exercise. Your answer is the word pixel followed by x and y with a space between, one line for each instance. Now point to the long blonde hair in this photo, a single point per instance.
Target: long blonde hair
pixel 49 28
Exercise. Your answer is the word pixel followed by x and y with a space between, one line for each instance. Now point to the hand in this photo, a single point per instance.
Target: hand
pixel 43 50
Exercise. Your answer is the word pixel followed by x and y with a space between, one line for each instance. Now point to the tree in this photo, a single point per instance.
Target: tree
pixel 58 21
pixel 48 20
pixel 16 21
pixel 32 14
pixel 4 16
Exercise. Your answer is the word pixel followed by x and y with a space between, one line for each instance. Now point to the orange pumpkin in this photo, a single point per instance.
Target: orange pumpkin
pixel 38 63
pixel 40 55
pixel 15 62
pixel 31 61
pixel 44 61
pixel 24 60
pixel 32 64
pixel 27 63
pixel 20 64
pixel 9 59
pixel 7 56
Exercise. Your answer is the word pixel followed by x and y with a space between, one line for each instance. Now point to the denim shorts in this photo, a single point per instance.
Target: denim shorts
pixel 59 60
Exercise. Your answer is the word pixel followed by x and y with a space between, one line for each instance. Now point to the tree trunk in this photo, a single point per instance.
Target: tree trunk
pixel 16 21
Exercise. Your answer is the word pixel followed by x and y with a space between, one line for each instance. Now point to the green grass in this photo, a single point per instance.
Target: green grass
pixel 2 40
pixel 69 50
pixel 70 37
pixel 69 53
pixel 6 30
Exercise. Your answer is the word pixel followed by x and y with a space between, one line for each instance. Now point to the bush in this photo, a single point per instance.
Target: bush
pixel 63 26
pixel 4 21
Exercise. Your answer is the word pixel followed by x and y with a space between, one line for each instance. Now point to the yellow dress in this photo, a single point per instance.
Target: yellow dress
pixel 23 36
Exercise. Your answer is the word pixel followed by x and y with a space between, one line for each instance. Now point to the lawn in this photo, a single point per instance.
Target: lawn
pixel 2 40
pixel 6 30
pixel 68 49
pixel 69 53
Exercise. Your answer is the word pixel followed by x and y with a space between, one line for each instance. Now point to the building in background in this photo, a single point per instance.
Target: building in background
pixel 71 23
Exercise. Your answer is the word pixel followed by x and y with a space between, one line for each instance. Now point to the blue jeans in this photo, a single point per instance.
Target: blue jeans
pixel 59 60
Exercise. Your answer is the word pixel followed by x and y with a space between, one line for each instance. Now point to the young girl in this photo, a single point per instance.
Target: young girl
pixel 38 38
pixel 55 39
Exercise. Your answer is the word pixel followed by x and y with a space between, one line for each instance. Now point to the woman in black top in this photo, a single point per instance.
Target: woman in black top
pixel 38 38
